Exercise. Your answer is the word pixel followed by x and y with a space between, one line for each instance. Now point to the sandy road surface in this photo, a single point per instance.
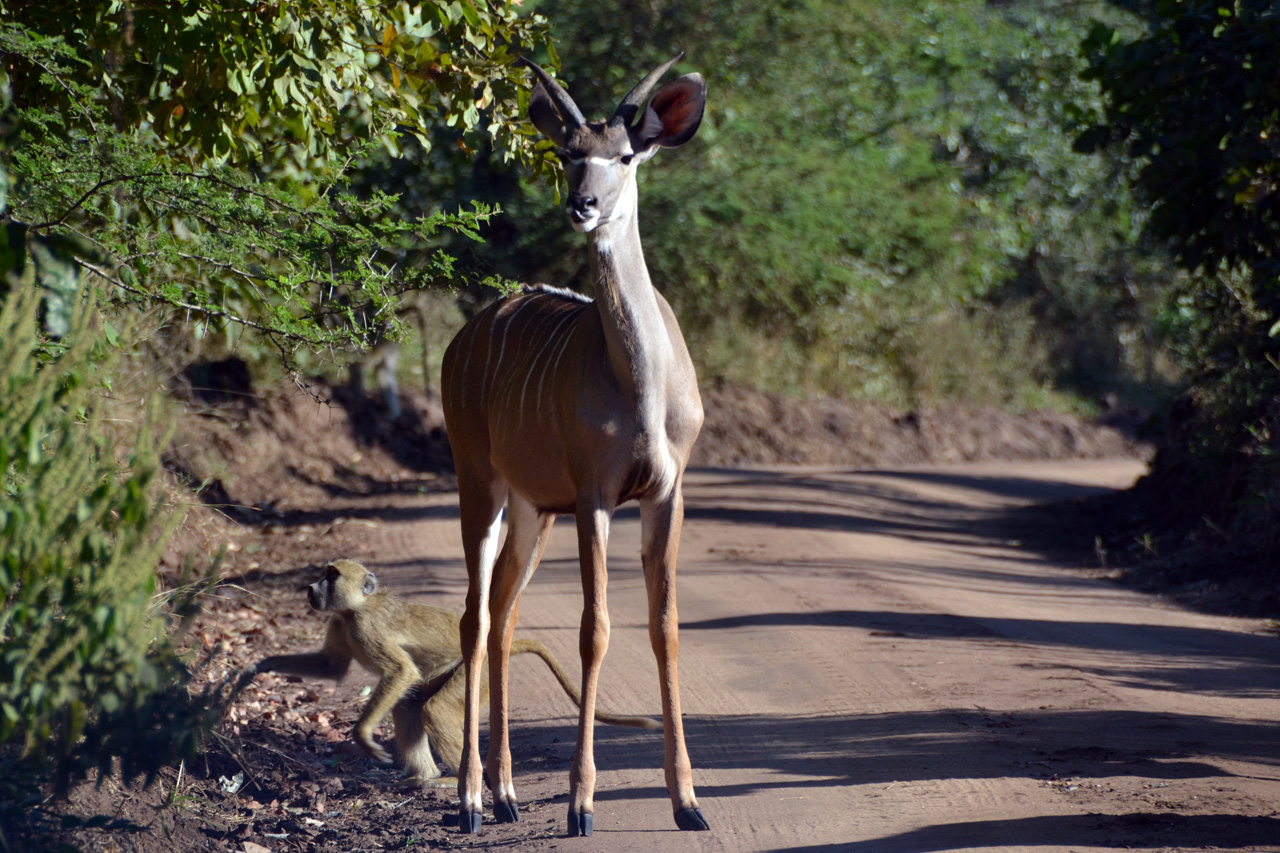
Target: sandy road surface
pixel 874 662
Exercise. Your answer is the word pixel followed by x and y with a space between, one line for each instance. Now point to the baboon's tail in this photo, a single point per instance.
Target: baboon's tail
pixel 519 647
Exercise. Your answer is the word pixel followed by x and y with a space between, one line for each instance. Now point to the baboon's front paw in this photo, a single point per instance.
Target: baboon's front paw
pixel 691 819
pixel 374 750
pixel 579 823
pixel 469 822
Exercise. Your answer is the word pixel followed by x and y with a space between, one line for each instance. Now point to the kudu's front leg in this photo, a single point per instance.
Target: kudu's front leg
pixel 481 511
pixel 527 536
pixel 593 641
pixel 660 540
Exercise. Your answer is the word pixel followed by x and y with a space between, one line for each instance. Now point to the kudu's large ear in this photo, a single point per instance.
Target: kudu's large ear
pixel 544 115
pixel 551 109
pixel 673 114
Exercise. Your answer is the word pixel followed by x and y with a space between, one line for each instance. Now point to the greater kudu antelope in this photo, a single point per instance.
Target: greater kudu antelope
pixel 558 404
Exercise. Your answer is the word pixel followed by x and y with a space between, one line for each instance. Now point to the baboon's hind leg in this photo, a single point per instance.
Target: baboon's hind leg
pixel 442 713
pixel 414 742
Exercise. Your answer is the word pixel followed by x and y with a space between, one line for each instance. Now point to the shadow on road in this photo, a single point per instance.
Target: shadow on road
pixel 1122 832
pixel 1154 657
pixel 954 744
pixel 892 503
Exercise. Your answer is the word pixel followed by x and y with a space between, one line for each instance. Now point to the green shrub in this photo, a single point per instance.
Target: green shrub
pixel 87 673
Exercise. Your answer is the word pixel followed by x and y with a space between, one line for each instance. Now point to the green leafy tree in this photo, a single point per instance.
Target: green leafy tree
pixel 247 81
pixel 1192 99
pixel 202 157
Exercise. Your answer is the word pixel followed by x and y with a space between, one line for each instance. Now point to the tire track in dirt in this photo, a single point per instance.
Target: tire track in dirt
pixel 868 663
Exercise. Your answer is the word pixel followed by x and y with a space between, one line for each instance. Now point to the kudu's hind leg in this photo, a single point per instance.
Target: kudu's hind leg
pixel 480 506
pixel 526 537
pixel 660 540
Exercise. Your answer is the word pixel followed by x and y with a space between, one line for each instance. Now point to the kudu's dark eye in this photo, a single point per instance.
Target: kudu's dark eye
pixel 626 159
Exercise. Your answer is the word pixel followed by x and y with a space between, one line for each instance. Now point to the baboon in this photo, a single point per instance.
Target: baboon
pixel 382 361
pixel 415 650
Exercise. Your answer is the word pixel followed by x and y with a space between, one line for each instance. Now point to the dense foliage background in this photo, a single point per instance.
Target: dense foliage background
pixel 883 201
pixel 1192 101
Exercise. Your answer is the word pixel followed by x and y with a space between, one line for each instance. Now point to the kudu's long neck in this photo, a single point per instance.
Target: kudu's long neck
pixel 638 344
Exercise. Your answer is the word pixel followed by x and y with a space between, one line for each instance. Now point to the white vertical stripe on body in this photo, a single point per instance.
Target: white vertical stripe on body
pixel 502 350
pixel 529 331
pixel 539 364
pixel 555 365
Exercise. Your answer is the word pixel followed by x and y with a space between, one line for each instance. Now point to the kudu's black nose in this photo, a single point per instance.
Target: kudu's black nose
pixel 581 204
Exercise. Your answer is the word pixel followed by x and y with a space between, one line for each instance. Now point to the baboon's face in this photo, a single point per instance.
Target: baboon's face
pixel 320 593
pixel 345 586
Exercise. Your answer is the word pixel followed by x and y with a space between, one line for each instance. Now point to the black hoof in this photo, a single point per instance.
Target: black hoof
pixel 506 812
pixel 691 820
pixel 579 824
pixel 469 822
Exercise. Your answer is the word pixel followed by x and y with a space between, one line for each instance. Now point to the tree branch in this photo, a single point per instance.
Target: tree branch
pixel 198 309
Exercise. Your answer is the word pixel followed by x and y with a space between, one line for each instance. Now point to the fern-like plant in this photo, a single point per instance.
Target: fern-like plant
pixel 87 672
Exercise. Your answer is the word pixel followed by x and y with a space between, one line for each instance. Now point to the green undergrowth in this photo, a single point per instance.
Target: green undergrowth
pixel 89 675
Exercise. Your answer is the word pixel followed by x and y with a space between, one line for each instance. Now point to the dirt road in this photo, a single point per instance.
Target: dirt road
pixel 876 662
